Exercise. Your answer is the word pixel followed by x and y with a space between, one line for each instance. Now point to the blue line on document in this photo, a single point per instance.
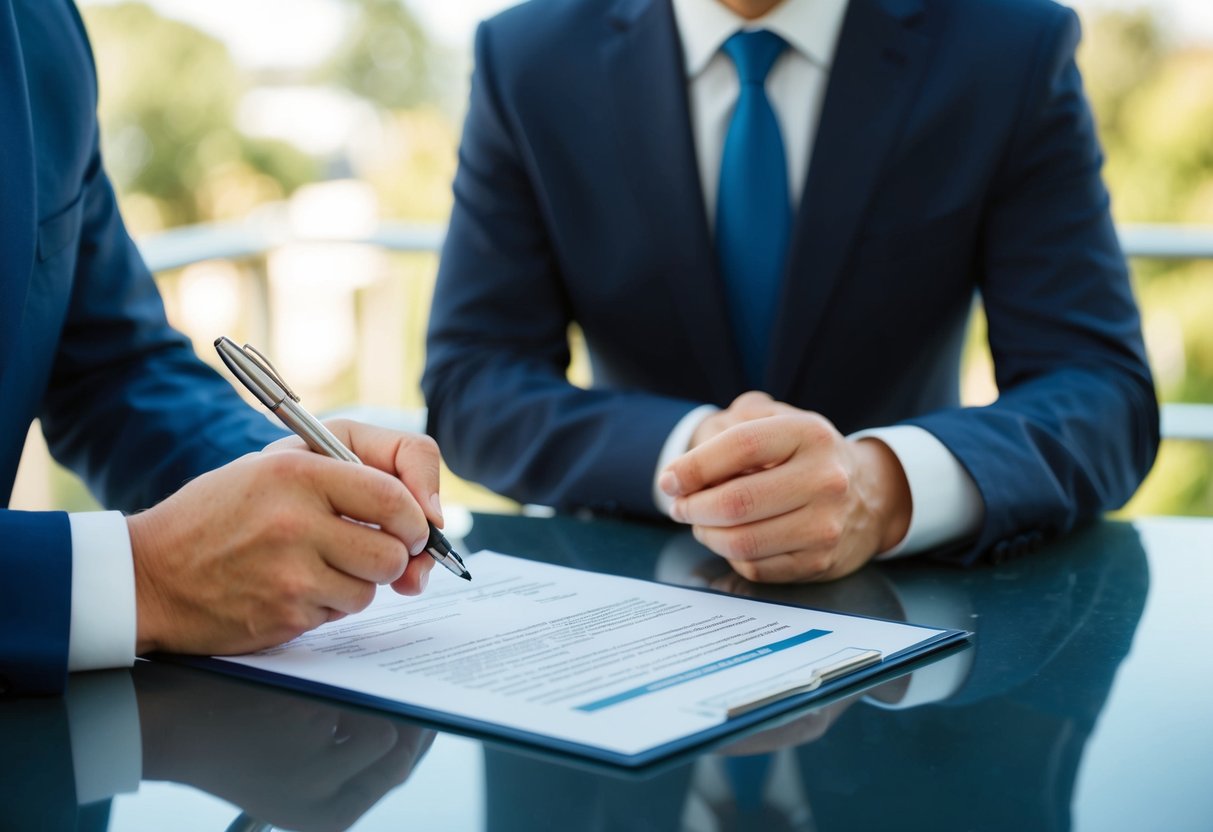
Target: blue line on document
pixel 700 672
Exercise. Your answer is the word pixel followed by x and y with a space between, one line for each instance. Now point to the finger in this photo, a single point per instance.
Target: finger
pixel 758 405
pixel 731 584
pixel 416 577
pixel 286 443
pixel 354 747
pixel 803 730
pixel 815 540
pixel 768 492
pixel 778 569
pixel 357 742
pixel 418 464
pixel 362 552
pixel 750 445
pixel 412 458
pixel 751 542
pixel 365 788
pixel 369 495
pixel 752 405
pixel 335 590
pixel 796 568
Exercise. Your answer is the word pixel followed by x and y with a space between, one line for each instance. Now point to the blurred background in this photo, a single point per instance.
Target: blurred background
pixel 285 166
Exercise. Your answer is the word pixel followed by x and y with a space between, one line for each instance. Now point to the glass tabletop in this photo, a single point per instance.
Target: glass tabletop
pixel 1082 703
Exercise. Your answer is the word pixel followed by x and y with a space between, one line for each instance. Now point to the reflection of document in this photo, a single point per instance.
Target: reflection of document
pixel 616 664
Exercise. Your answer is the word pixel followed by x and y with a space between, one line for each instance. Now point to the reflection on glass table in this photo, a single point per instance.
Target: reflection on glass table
pixel 1025 730
pixel 989 738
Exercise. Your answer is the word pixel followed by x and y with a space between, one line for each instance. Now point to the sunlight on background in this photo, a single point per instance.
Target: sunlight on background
pixel 212 113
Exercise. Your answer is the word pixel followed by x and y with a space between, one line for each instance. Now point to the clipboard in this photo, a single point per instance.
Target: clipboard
pixel 688 705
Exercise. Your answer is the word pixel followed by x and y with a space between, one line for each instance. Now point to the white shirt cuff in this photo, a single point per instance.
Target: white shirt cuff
pixel 107 748
pixel 102 631
pixel 946 505
pixel 677 444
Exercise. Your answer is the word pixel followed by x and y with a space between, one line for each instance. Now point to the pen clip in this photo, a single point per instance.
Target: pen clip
pixel 266 366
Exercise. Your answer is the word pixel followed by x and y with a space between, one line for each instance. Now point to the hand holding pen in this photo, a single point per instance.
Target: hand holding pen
pixel 260 550
pixel 263 381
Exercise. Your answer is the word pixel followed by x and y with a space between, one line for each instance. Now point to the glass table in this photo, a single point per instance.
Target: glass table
pixel 1083 703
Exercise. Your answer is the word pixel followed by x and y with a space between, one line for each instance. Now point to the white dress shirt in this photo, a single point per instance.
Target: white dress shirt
pixel 102 632
pixel 946 503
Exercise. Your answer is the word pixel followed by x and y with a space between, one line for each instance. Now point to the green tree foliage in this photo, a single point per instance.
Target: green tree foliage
pixel 170 96
pixel 385 56
pixel 1155 113
pixel 168 110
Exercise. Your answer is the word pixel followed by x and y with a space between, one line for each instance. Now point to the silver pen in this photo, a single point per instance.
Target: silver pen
pixel 257 374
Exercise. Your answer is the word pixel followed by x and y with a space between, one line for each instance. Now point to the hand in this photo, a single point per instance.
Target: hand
pixel 784 497
pixel 745 408
pixel 803 730
pixel 263 549
pixel 285 759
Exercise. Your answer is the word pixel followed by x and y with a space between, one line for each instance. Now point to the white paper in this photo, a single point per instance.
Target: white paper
pixel 616 663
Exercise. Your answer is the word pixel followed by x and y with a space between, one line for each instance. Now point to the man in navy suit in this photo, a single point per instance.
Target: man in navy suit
pixel 770 220
pixel 246 556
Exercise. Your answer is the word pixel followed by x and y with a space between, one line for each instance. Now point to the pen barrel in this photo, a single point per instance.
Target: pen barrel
pixel 316 435
pixel 449 558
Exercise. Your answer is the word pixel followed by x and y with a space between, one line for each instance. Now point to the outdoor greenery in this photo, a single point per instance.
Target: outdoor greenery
pixel 171 95
pixel 1155 116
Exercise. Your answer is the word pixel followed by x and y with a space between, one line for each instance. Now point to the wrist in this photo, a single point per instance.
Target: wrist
pixel 885 491
pixel 144 532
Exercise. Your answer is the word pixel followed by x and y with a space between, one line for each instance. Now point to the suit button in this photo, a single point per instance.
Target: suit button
pixel 4 686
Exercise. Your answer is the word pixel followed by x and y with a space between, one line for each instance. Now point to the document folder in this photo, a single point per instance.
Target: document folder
pixel 616 669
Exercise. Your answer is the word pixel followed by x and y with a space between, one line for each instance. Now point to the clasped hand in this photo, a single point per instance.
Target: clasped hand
pixel 265 548
pixel 783 496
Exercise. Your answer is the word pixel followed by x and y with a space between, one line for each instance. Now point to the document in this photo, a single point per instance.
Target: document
pixel 614 667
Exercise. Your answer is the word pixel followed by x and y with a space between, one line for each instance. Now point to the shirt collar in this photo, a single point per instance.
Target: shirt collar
pixel 809 26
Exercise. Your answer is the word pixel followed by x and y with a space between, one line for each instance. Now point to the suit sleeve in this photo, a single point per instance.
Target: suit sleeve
pixel 1075 427
pixel 35 602
pixel 500 404
pixel 130 407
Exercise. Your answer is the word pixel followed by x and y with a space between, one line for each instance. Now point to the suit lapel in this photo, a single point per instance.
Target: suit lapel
pixel 18 224
pixel 646 83
pixel 882 53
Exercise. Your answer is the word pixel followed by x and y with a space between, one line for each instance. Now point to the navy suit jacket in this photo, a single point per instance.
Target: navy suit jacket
pixel 956 157
pixel 84 344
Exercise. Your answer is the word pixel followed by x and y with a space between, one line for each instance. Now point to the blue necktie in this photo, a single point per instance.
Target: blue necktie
pixel 753 209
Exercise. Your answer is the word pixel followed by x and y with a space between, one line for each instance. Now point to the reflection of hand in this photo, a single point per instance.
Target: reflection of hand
pixel 283 759
pixel 805 729
pixel 263 549
pixel 783 496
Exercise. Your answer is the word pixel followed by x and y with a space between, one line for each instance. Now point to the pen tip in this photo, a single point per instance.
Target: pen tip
pixel 467 576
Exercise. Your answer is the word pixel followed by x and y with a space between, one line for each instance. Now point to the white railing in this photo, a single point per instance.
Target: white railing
pixel 181 247
pixel 234 240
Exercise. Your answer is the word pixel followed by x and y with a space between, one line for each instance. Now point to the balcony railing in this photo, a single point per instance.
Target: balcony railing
pixel 240 240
